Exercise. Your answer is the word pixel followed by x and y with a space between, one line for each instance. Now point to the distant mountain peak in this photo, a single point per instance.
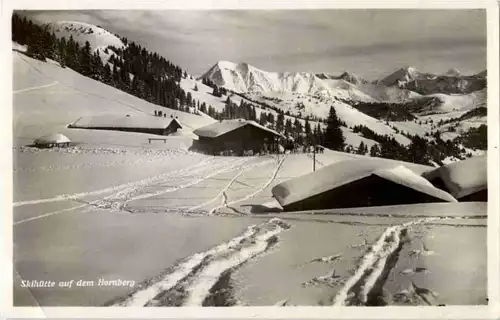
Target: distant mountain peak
pixel 483 73
pixel 243 77
pixel 405 75
pixel 350 77
pixel 453 72
pixel 346 76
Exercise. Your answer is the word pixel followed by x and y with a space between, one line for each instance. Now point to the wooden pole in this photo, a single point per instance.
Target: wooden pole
pixel 314 158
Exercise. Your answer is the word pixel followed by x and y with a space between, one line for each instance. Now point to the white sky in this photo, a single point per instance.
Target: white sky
pixel 371 43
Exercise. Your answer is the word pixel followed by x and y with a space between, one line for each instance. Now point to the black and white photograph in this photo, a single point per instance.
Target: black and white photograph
pixel 248 158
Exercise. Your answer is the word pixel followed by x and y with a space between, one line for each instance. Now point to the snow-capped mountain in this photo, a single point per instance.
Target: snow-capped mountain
pixel 346 76
pixel 452 82
pixel 405 75
pixel 447 84
pixel 242 77
pixel 245 78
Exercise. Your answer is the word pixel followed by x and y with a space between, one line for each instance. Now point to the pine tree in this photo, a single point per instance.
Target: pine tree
pixel 280 122
pixel 288 127
pixel 307 130
pixel 216 92
pixel 334 137
pixel 418 151
pixel 375 151
pixel 85 59
pixel 361 148
pixel 263 119
pixel 297 127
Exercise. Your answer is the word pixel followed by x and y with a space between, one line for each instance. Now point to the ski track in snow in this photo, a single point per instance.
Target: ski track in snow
pixel 199 273
pixel 113 201
pixel 358 287
pixel 49 214
pixel 226 188
pixel 253 194
pixel 133 184
pixel 36 88
pixel 213 170
pixel 101 164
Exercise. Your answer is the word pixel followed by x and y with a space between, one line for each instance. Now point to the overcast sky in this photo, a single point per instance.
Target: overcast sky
pixel 371 43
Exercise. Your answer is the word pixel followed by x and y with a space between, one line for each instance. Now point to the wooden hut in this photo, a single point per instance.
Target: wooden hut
pixel 357 183
pixel 236 136
pixel 52 140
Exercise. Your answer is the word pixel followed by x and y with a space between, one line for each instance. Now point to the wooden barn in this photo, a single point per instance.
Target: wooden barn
pixel 236 136
pixel 357 183
pixel 135 123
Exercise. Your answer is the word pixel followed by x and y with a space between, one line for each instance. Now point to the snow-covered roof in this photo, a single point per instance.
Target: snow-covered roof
pixel 175 121
pixel 345 172
pixel 404 176
pixel 52 138
pixel 125 121
pixel 220 128
pixel 463 177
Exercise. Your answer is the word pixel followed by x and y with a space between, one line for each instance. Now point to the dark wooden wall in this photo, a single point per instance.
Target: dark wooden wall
pixel 244 138
pixel 367 192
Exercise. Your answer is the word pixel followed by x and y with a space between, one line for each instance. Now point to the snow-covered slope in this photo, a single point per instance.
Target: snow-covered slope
pixel 81 32
pixel 442 103
pixel 47 98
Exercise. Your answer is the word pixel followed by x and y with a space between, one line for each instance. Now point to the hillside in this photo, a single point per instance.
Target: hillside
pixel 47 98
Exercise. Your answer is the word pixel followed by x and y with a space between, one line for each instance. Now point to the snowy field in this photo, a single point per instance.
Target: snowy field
pixel 190 229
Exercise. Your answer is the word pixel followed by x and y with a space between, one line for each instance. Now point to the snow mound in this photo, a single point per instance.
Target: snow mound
pixel 461 178
pixel 52 138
